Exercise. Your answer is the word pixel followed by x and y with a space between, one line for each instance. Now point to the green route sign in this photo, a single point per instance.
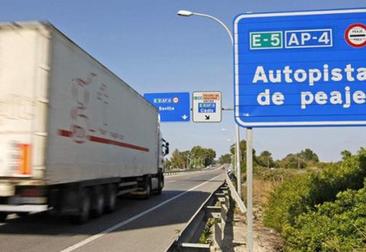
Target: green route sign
pixel 266 40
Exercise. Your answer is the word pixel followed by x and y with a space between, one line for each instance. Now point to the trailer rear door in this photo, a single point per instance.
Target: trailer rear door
pixel 23 81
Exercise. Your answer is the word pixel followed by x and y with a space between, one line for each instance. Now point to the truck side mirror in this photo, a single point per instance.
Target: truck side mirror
pixel 166 149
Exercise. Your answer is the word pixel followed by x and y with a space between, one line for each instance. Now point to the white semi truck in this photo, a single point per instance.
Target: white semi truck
pixel 73 135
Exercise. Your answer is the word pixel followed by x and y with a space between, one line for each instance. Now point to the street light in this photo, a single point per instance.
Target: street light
pixel 186 13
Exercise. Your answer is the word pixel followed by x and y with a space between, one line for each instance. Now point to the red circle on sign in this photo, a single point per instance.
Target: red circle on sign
pixel 352 35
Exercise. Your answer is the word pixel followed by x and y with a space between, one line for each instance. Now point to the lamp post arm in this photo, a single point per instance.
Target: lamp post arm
pixel 237 128
pixel 218 21
pixel 186 13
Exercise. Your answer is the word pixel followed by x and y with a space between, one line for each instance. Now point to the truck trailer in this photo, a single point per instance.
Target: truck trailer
pixel 73 135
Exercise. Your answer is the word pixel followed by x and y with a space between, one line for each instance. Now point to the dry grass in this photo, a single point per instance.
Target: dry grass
pixel 262 190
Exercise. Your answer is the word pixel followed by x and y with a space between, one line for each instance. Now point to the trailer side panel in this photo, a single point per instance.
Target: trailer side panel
pixel 99 127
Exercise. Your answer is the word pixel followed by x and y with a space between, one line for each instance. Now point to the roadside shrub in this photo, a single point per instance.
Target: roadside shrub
pixel 349 174
pixel 301 194
pixel 287 201
pixel 332 226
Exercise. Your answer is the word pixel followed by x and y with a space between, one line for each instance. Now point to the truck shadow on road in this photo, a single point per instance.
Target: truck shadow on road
pixel 155 212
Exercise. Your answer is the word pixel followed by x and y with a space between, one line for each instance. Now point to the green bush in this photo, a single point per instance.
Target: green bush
pixel 349 174
pixel 301 194
pixel 332 226
pixel 287 202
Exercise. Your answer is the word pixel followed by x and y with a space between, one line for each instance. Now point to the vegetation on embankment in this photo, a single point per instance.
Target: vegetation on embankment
pixel 322 210
pixel 331 226
pixel 315 206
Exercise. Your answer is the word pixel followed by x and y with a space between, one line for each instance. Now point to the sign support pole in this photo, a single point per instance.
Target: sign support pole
pixel 249 132
pixel 238 170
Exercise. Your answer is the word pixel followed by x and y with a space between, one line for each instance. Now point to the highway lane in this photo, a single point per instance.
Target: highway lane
pixel 137 225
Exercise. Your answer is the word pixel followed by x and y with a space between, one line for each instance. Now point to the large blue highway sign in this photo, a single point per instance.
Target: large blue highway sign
pixel 300 68
pixel 173 107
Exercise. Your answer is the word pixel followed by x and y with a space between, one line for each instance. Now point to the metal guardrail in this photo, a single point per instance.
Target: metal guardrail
pixel 235 195
pixel 196 224
pixel 187 238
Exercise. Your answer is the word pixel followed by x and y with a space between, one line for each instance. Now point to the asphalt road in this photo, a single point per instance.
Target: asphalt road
pixel 137 225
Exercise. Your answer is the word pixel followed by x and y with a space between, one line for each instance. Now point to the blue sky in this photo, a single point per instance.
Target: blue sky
pixel 154 50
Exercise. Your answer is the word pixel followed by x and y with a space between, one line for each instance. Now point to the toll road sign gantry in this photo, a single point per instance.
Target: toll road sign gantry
pixel 300 68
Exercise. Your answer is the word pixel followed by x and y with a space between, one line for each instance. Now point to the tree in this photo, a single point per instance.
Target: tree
pixel 197 154
pixel 243 153
pixel 299 160
pixel 309 155
pixel 293 161
pixel 209 156
pixel 167 164
pixel 197 157
pixel 177 160
pixel 265 159
pixel 243 149
pixel 346 154
pixel 186 156
pixel 225 159
pixel 202 157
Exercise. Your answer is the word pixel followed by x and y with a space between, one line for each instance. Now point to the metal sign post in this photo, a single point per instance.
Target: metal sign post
pixel 249 189
pixel 238 155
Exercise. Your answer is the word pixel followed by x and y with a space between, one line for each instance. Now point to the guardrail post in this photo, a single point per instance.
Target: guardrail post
pixel 218 234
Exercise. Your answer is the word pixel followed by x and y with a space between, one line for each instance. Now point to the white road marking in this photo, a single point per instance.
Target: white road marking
pixel 123 223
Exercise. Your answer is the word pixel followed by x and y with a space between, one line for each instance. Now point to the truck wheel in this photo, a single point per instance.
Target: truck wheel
pixel 160 185
pixel 147 188
pixel 3 216
pixel 97 201
pixel 84 208
pixel 23 214
pixel 110 197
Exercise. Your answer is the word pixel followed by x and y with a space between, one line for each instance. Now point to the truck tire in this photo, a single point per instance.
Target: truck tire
pixel 84 208
pixel 3 216
pixel 147 187
pixel 97 201
pixel 160 184
pixel 23 214
pixel 110 197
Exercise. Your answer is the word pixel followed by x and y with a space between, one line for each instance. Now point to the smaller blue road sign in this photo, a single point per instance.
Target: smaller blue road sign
pixel 206 107
pixel 173 107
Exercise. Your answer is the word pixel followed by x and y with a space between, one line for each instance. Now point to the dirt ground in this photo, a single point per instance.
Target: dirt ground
pixel 265 239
